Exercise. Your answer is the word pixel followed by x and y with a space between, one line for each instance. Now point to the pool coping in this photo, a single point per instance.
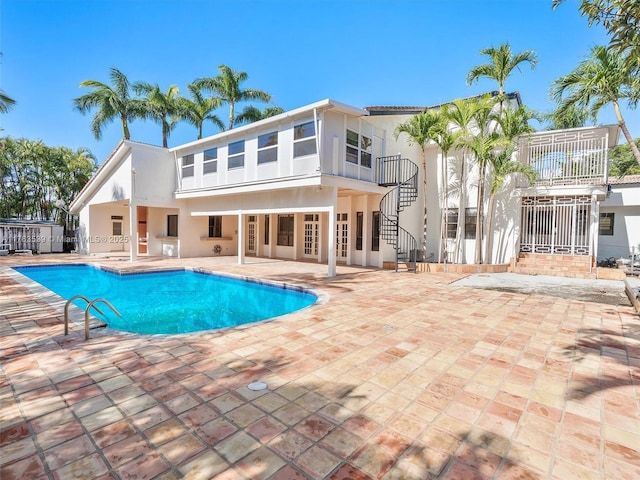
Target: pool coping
pixel 77 314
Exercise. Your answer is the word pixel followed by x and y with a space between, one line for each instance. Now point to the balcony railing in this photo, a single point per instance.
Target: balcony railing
pixel 567 157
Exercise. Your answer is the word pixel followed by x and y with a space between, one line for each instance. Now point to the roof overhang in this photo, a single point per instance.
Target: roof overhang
pixel 307 110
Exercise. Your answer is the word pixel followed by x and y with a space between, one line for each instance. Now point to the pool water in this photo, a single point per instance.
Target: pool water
pixel 177 301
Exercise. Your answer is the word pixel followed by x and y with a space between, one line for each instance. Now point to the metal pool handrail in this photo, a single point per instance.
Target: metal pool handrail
pixel 86 314
pixel 91 304
pixel 66 310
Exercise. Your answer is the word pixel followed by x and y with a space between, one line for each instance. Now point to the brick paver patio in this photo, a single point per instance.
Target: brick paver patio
pixel 397 376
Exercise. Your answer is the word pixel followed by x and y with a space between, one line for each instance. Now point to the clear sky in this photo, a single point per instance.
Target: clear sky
pixel 363 53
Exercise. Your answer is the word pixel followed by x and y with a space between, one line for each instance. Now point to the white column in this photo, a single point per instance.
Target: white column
pixel 332 236
pixel 133 231
pixel 240 239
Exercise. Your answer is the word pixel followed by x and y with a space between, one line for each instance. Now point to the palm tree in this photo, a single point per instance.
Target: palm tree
pixel 112 101
pixel 461 113
pixel 160 107
pixel 198 110
pixel 227 87
pixel 604 78
pixel 572 117
pixel 421 129
pixel 6 102
pixel 446 140
pixel 503 166
pixel 252 114
pixel 502 63
pixel 475 138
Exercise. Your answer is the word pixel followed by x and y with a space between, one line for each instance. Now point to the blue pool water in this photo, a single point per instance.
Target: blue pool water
pixel 178 301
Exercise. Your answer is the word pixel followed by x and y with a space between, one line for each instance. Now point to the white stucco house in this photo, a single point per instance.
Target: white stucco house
pixel 328 182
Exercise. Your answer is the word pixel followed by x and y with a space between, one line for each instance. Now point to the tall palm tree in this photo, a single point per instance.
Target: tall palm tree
pixel 111 101
pixel 6 102
pixel 227 86
pixel 446 140
pixel 199 108
pixel 502 166
pixel 476 138
pixel 161 107
pixel 604 78
pixel 461 113
pixel 502 61
pixel 421 129
pixel 252 114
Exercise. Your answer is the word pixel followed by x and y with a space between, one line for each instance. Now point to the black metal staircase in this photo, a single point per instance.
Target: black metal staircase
pixel 401 173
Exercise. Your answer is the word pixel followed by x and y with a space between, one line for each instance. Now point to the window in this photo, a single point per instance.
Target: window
pixel 236 154
pixel 375 232
pixel 187 166
pixel 606 223
pixel 452 222
pixel 215 226
pixel 268 148
pixel 210 161
pixel 304 139
pixel 266 229
pixel 358 149
pixel 172 225
pixel 285 230
pixel 470 216
pixel 116 225
pixel 359 225
pixel 352 147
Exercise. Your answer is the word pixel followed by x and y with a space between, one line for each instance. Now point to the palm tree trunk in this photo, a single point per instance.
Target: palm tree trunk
pixel 231 114
pixel 125 127
pixel 460 230
pixel 479 211
pixel 443 208
pixel 625 132
pixel 488 238
pixel 424 197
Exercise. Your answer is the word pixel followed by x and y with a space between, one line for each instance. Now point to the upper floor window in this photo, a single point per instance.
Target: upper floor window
pixel 304 139
pixel 268 148
pixel 187 165
pixel 236 154
pixel 210 161
pixel 358 149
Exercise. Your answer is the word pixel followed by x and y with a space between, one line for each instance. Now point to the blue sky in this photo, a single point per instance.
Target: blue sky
pixel 363 53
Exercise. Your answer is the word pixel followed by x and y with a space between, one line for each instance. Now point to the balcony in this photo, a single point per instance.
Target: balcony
pixel 577 156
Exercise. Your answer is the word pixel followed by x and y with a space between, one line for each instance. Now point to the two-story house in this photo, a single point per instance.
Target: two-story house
pixel 331 183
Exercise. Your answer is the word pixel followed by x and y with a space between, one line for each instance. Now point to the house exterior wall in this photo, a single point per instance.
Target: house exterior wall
pixel 624 202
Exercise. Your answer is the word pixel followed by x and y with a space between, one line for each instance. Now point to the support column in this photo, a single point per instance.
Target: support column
pixel 332 236
pixel 133 231
pixel 240 239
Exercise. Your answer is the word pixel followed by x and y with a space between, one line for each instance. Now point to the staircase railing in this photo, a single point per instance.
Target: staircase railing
pixel 401 173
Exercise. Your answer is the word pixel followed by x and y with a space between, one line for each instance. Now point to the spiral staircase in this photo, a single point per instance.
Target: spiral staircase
pixel 402 174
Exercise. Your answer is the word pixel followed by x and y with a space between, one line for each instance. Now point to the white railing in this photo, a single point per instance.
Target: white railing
pixel 567 157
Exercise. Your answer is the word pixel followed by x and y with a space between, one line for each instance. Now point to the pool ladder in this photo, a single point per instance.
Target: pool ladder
pixel 90 304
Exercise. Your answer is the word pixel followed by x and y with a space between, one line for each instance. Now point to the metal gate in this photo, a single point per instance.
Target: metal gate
pixel 556 225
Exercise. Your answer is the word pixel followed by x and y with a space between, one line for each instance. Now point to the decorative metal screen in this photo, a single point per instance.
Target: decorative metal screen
pixel 567 157
pixel 556 225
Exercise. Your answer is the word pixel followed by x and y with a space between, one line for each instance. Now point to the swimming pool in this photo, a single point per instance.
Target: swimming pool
pixel 170 301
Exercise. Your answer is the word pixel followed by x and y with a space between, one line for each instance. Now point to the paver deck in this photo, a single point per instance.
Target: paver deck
pixel 397 376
